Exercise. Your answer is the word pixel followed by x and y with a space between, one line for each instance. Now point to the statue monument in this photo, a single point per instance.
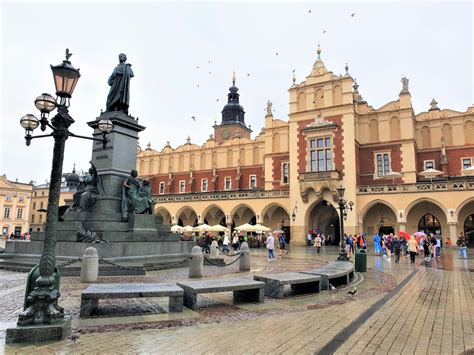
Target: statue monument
pixel 119 94
pixel 112 208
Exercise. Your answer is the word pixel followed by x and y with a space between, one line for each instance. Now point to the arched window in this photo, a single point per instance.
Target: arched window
pixel 319 98
pixel 242 156
pixel 203 161
pixel 394 128
pixel 446 134
pixel 468 129
pixel 373 131
pixel 230 158
pixel 276 143
pixel 429 224
pixel 301 101
pixel 425 137
pixel 256 155
pixel 337 95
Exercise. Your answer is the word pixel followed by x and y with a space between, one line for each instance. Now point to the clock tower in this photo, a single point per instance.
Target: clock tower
pixel 233 121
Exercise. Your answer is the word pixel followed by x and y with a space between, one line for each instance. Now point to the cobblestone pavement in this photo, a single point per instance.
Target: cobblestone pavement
pixel 432 313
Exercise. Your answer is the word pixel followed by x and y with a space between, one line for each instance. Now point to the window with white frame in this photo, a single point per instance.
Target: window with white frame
pixel 382 164
pixel 8 197
pixel 252 181
pixel 161 190
pixel 203 185
pixel 285 173
pixel 19 213
pixel 227 183
pixel 428 164
pixel 6 213
pixel 182 186
pixel 320 154
pixel 466 163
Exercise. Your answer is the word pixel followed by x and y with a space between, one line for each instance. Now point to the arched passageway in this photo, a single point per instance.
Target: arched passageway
pixel 324 219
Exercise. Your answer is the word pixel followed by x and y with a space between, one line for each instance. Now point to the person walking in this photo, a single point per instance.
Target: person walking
pixel 397 247
pixel 270 243
pixel 462 247
pixel 377 245
pixel 309 238
pixel 426 248
pixel 282 244
pixel 317 244
pixel 388 246
pixel 412 249
pixel 225 243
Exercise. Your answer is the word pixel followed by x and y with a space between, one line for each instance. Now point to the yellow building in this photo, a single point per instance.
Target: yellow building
pixel 15 200
pixel 39 200
pixel 287 176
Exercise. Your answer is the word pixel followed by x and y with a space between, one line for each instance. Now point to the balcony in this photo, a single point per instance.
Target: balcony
pixel 319 176
pixel 466 185
pixel 222 195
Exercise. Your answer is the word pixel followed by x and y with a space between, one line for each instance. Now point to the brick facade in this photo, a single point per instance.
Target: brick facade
pixel 366 163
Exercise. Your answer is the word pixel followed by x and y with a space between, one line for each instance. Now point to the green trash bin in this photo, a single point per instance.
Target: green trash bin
pixel 361 260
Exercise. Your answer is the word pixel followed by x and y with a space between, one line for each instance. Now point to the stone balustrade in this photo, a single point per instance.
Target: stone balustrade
pixel 418 187
pixel 222 195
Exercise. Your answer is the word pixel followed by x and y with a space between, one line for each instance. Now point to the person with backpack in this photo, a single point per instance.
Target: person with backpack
pixel 397 247
pixel 270 243
pixel 282 244
pixel 462 247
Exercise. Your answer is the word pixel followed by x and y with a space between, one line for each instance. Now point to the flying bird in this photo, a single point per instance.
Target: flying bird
pixel 217 100
pixel 198 85
pixel 197 67
pixel 324 31
pixel 353 292
pixel 353 14
pixel 293 70
pixel 209 61
pixel 193 118
pixel 248 74
pixel 276 53
pixel 209 72
pixel 309 11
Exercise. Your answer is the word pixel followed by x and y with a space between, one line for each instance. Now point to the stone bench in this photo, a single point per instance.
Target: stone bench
pixel 90 296
pixel 299 283
pixel 337 273
pixel 243 289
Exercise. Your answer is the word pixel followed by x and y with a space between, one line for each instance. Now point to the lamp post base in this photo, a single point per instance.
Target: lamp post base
pixel 343 256
pixel 55 331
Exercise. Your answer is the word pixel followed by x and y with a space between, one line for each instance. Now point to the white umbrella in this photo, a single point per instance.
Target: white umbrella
pixel 430 172
pixel 393 175
pixel 261 228
pixel 245 228
pixel 468 171
pixel 202 228
pixel 187 229
pixel 176 228
pixel 219 228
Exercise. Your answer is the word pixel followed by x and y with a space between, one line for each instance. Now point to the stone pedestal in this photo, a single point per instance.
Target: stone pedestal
pixel 214 249
pixel 244 262
pixel 90 266
pixel 196 263
pixel 39 333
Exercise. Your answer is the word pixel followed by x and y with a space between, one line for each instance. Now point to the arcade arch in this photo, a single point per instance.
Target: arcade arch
pixel 164 213
pixel 213 214
pixel 323 217
pixel 186 216
pixel 242 214
pixel 379 217
pixel 421 208
pixel 275 216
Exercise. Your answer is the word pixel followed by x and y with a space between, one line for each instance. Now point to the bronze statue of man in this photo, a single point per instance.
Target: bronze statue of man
pixel 119 94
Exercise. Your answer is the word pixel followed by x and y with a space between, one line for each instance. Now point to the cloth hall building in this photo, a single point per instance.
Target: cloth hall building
pixel 286 177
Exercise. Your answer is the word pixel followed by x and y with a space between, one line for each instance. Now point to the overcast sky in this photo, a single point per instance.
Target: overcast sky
pixel 431 43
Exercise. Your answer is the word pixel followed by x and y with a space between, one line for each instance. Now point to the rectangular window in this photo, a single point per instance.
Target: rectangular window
pixel 34 205
pixel 21 199
pixel 428 164
pixel 41 205
pixel 285 173
pixel 252 181
pixel 162 188
pixel 320 154
pixel 228 183
pixel 41 218
pixel 19 213
pixel 203 185
pixel 6 213
pixel 32 218
pixel 383 164
pixel 8 197
pixel 466 163
pixel 182 186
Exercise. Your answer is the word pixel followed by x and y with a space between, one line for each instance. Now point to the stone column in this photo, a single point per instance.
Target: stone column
pixel 452 233
pixel 402 227
pixel 196 263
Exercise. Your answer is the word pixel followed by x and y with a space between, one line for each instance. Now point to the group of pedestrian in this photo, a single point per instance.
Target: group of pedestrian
pixel 354 241
pixel 270 244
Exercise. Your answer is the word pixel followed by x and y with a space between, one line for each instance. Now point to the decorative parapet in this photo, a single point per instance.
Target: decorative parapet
pixel 223 195
pixel 419 187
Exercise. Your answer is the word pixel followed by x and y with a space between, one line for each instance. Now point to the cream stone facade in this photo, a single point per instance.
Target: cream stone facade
pixel 15 202
pixel 286 177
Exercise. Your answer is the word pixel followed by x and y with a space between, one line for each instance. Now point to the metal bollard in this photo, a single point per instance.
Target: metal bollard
pixel 244 262
pixel 196 263
pixel 90 265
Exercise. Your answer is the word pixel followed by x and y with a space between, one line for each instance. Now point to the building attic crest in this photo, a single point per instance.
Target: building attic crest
pixel 318 67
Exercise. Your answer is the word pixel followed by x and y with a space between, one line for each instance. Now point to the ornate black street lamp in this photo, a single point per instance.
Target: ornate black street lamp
pixel 41 304
pixel 343 207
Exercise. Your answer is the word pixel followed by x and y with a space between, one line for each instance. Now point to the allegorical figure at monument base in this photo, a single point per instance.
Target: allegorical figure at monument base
pixel 119 94
pixel 136 196
pixel 89 188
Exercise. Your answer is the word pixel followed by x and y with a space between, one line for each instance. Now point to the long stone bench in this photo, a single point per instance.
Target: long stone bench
pixel 299 283
pixel 90 296
pixel 243 289
pixel 337 273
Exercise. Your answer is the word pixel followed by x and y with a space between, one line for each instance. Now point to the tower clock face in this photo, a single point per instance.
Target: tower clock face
pixel 225 133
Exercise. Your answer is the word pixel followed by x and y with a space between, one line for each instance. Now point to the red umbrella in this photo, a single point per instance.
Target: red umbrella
pixel 405 235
